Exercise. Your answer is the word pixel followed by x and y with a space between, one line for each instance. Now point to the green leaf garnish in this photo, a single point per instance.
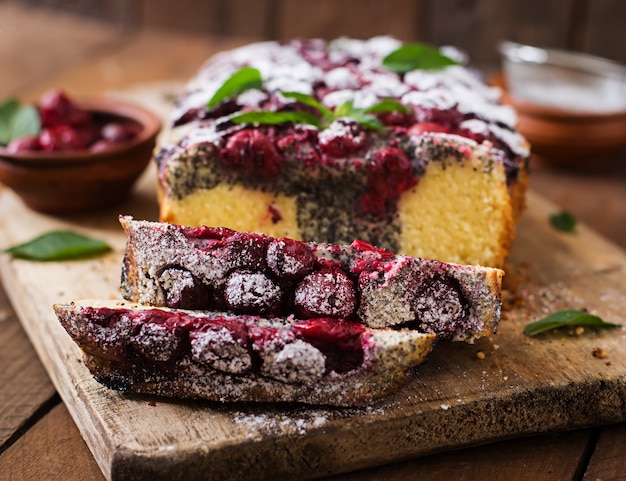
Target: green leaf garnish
pixel 17 121
pixel 388 105
pixel 246 78
pixel 563 221
pixel 311 102
pixel 274 118
pixel 566 318
pixel 417 56
pixel 58 245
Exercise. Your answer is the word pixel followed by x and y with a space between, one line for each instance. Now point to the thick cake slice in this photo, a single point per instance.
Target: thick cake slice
pixel 225 357
pixel 247 273
pixel 426 163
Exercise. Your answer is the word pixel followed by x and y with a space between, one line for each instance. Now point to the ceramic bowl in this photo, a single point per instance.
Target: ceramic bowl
pixel 571 107
pixel 81 181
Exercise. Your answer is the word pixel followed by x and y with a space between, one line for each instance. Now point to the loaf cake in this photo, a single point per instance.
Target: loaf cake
pixel 206 268
pixel 225 357
pixel 426 163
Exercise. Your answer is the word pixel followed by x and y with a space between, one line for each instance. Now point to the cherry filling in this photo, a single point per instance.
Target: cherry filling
pixel 328 292
pixel 183 290
pixel 340 341
pixel 233 345
pixel 390 174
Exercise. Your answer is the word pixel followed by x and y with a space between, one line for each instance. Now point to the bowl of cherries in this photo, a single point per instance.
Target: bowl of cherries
pixel 65 156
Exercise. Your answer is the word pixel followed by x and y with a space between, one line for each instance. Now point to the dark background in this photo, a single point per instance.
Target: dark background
pixel 593 26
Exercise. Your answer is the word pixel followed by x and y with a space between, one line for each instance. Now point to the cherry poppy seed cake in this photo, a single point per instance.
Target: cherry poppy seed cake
pixel 223 315
pixel 254 274
pixel 399 145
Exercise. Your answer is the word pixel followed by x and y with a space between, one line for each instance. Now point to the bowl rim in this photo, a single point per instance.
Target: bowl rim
pixel 591 64
pixel 533 108
pixel 150 122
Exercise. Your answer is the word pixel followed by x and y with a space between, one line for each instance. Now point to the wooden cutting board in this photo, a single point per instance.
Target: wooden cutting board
pixel 506 386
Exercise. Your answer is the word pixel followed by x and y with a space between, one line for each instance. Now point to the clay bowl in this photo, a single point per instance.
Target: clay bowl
pixel 571 107
pixel 80 181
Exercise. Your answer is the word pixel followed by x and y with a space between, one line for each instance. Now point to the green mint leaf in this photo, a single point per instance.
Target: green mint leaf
pixel 246 78
pixel 388 105
pixel 274 118
pixel 311 102
pixel 360 115
pixel 344 110
pixel 17 121
pixel 416 56
pixel 563 221
pixel 58 245
pixel 566 318
pixel 366 120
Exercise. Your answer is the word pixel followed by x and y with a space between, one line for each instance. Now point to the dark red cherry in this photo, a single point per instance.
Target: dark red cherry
pixel 339 341
pixel 328 292
pixel 391 174
pixel 252 293
pixel 24 144
pixel 343 138
pixel 119 132
pixel 251 153
pixel 245 250
pixel 422 127
pixel 60 138
pixel 290 259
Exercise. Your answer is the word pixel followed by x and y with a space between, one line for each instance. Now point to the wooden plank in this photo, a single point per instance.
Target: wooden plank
pixel 608 462
pixel 335 18
pixel 604 211
pixel 53 450
pixel 540 458
pixel 24 384
pixel 457 399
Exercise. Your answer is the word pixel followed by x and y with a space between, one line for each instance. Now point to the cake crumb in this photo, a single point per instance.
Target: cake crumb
pixel 598 352
pixel 480 355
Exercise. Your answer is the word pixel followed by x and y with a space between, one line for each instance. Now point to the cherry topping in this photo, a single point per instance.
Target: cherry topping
pixel 251 153
pixel 328 292
pixel 302 143
pixel 391 174
pixel 290 259
pixel 421 127
pixel 252 293
pixel 344 137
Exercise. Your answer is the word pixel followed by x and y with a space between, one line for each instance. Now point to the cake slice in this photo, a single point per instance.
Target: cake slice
pixel 205 268
pixel 225 357
pixel 426 163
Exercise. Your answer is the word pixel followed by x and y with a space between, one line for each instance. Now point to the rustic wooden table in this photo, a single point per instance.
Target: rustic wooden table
pixel 38 438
